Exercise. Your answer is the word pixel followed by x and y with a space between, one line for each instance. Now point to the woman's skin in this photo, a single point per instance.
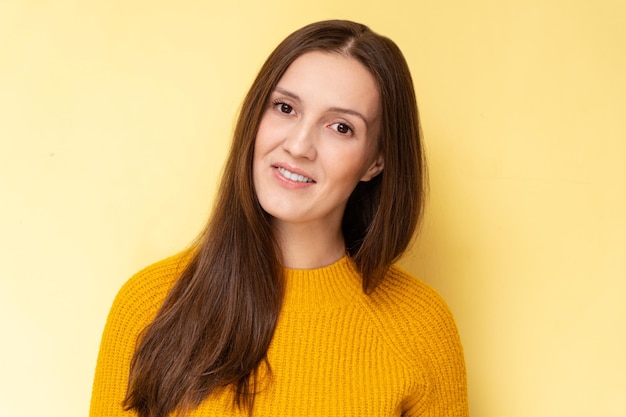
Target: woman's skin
pixel 317 139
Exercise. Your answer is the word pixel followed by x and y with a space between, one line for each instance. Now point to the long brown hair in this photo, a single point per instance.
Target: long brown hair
pixel 216 324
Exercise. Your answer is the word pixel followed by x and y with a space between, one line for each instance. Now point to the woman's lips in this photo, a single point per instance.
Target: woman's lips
pixel 293 176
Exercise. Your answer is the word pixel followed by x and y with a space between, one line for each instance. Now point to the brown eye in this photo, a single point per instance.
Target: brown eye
pixel 342 128
pixel 285 108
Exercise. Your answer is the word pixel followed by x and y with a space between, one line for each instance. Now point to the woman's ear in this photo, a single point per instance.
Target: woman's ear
pixel 374 169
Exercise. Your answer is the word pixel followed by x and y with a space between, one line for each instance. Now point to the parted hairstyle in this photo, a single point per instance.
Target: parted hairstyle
pixel 216 324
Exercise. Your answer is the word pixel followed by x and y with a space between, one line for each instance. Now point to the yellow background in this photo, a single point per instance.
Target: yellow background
pixel 115 117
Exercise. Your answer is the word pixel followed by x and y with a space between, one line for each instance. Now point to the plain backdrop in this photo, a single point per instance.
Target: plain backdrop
pixel 115 118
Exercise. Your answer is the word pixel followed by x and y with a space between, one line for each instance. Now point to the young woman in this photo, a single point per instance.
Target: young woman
pixel 288 304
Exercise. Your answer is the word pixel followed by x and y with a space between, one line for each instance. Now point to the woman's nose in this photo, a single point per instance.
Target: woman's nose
pixel 301 141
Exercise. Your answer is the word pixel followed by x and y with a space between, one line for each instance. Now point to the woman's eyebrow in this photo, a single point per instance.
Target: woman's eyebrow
pixel 287 93
pixel 331 109
pixel 349 111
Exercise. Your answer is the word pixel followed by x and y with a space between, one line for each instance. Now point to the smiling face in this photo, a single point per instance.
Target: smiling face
pixel 317 139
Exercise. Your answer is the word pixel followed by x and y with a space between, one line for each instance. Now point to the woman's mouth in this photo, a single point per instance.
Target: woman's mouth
pixel 294 177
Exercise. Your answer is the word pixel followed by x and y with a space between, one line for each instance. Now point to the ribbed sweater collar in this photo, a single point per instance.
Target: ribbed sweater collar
pixel 321 288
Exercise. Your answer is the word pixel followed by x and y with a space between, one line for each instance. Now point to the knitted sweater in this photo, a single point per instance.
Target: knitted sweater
pixel 335 352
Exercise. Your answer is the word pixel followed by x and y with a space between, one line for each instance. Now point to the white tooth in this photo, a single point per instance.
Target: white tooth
pixel 293 177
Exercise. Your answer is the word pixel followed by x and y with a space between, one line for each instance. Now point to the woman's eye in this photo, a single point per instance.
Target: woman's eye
pixel 284 107
pixel 342 128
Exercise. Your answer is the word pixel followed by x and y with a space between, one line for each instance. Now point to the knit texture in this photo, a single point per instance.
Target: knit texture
pixel 336 351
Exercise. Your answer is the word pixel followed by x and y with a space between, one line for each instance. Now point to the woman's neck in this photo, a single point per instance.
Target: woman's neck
pixel 308 246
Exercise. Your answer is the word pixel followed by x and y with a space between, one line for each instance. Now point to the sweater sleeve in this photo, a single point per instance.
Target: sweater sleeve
pixel 441 354
pixel 133 309
pixel 424 334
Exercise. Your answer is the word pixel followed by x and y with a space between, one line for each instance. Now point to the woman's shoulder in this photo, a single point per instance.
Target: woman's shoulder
pixel 159 276
pixel 412 312
pixel 401 290
pixel 142 295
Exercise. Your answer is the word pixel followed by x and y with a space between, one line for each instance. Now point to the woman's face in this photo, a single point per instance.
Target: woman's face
pixel 317 139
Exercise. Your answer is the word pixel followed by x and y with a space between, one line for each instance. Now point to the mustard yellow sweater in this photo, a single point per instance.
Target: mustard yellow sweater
pixel 336 351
